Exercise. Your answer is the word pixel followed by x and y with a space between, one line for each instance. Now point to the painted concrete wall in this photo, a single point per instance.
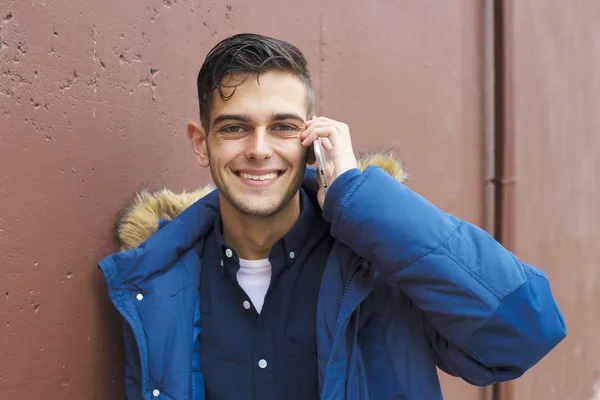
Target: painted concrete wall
pixel 553 207
pixel 95 95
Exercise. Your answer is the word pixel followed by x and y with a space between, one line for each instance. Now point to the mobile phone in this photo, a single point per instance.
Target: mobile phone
pixel 321 171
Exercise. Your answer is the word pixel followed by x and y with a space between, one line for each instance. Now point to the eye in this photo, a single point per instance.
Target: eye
pixel 286 129
pixel 232 129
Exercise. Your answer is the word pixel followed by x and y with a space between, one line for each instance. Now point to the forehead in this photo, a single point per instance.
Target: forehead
pixel 273 92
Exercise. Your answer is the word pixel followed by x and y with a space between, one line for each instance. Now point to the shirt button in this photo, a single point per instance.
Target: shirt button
pixel 221 263
pixel 246 304
pixel 262 363
pixel 228 253
pixel 156 393
pixel 139 296
pixel 292 254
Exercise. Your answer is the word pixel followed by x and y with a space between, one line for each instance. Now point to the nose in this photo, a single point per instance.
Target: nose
pixel 259 145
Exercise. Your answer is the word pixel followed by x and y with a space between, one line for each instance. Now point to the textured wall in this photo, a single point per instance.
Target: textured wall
pixel 94 98
pixel 553 219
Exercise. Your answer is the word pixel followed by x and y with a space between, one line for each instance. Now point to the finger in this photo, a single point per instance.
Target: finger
pixel 329 132
pixel 309 127
pixel 309 132
pixel 315 133
pixel 312 125
pixel 341 127
pixel 326 143
pixel 323 121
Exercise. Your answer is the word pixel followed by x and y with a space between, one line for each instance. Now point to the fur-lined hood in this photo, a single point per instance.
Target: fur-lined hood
pixel 140 220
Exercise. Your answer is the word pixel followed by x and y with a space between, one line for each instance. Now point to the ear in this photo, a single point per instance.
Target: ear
pixel 197 138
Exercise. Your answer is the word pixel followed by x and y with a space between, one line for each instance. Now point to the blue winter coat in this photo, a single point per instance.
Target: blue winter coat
pixel 406 287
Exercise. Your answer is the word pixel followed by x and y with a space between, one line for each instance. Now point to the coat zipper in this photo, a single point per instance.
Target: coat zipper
pixel 353 272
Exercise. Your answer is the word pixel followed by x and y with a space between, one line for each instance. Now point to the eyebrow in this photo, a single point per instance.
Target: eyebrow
pixel 246 118
pixel 232 117
pixel 285 116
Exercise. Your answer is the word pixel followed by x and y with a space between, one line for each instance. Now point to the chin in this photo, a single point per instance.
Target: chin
pixel 258 205
pixel 258 210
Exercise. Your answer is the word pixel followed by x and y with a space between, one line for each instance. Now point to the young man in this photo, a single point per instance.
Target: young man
pixel 270 288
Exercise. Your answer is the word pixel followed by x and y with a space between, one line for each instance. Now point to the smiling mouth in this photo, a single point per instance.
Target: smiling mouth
pixel 259 178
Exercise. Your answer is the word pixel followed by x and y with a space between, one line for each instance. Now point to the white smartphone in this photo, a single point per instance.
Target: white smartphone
pixel 320 156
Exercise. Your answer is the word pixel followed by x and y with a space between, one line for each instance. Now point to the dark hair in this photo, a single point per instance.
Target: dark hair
pixel 249 54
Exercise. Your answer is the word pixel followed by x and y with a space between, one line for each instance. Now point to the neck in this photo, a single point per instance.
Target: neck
pixel 253 238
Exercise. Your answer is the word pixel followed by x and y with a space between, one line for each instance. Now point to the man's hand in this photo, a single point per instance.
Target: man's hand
pixel 336 141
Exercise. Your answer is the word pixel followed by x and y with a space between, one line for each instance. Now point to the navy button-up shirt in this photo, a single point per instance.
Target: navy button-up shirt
pixel 272 355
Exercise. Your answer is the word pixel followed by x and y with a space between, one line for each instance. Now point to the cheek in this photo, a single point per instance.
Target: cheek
pixel 295 151
pixel 303 154
pixel 221 154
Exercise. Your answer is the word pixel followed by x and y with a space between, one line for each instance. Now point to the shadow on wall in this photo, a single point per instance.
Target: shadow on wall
pixel 110 352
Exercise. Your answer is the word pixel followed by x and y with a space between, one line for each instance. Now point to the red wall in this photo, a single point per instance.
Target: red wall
pixel 95 95
pixel 553 215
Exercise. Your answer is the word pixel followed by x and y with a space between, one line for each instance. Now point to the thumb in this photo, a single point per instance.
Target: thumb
pixel 321 197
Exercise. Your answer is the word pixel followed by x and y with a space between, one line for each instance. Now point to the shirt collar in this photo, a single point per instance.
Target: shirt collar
pixel 287 248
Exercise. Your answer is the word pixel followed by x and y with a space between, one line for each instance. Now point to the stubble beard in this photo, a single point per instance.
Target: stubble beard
pixel 246 209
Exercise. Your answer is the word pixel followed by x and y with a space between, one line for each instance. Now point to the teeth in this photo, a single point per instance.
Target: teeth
pixel 266 177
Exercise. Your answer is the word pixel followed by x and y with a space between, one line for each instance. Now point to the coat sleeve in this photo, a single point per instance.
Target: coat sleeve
pixel 489 316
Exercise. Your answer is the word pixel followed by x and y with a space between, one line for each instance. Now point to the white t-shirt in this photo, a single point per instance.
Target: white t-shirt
pixel 254 276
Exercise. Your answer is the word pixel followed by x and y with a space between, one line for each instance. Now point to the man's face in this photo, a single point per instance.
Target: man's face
pixel 254 152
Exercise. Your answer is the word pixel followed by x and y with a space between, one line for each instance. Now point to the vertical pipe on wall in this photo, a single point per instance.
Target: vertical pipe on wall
pixel 489 135
pixel 505 155
pixel 494 140
pixel 499 117
pixel 489 123
pixel 489 169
